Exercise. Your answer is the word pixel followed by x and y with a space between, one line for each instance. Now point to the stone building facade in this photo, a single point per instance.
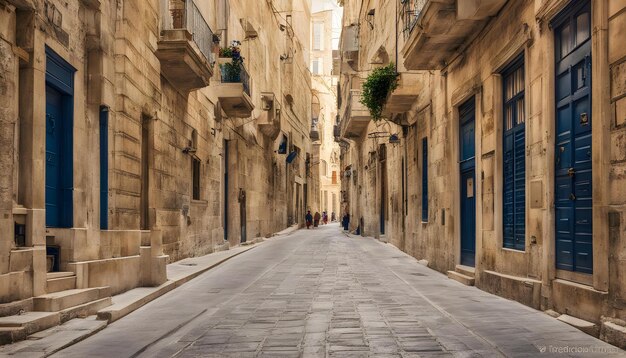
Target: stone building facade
pixel 324 89
pixel 509 172
pixel 128 142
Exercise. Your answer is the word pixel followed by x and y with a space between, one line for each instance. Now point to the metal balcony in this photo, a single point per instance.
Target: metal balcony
pixel 436 29
pixel 356 117
pixel 185 45
pixel 233 91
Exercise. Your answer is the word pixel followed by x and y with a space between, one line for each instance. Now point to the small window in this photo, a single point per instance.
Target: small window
pixel 334 177
pixel 317 66
pixel 424 179
pixel 318 36
pixel 195 174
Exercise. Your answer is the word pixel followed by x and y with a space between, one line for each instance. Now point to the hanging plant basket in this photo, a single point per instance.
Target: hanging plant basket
pixel 377 87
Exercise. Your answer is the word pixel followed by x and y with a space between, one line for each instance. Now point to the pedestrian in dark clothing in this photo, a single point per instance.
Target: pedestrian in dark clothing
pixel 325 218
pixel 309 219
pixel 333 217
pixel 346 221
pixel 316 219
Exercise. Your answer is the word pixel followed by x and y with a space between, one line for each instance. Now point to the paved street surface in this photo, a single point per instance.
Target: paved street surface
pixel 319 293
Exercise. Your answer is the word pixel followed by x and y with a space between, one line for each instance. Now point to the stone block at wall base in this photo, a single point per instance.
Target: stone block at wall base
pixel 159 273
pixel 613 333
pixel 521 289
pixel 578 300
pixel 35 227
pixel 116 273
pixel 21 260
pixel 15 307
pixel 152 267
pixel 15 286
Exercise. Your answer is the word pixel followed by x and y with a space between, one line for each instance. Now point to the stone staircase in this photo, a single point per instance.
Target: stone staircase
pixel 60 281
pixel 62 303
pixel 463 274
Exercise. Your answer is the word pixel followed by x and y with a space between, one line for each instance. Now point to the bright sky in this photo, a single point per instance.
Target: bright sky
pixel 321 5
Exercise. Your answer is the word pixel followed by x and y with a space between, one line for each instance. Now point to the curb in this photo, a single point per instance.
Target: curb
pixel 139 297
pixel 112 313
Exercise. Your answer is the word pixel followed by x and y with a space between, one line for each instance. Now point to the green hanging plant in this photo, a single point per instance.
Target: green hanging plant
pixel 377 87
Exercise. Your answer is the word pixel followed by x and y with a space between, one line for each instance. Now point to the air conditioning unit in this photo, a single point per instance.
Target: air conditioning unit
pixel 267 101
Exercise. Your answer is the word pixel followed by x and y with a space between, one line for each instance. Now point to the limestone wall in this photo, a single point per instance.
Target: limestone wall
pixel 152 124
pixel 529 276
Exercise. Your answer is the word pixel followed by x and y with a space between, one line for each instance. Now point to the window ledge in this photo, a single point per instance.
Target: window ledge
pixel 200 202
pixel 513 250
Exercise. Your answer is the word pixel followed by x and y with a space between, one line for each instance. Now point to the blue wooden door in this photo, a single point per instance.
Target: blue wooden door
pixel 59 183
pixel 54 203
pixel 468 187
pixel 573 191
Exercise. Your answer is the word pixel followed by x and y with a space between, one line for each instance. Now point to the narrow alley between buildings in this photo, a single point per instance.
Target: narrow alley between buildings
pixel 323 293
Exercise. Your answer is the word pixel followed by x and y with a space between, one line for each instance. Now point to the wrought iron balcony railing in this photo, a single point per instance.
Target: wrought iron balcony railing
pixel 241 76
pixel 410 12
pixel 185 15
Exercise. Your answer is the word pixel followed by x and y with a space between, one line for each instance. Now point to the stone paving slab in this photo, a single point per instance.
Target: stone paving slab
pixel 50 341
pixel 319 293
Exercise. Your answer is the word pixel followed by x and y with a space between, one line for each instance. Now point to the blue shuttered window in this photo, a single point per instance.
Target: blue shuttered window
pixel 514 162
pixel 424 179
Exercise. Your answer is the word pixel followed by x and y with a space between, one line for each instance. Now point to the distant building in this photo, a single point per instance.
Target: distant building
pixel 324 111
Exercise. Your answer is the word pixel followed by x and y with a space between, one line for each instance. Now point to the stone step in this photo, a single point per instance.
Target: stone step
pixel 86 309
pixel 588 327
pixel 18 327
pixel 60 284
pixel 466 270
pixel 464 279
pixel 58 301
pixel 61 274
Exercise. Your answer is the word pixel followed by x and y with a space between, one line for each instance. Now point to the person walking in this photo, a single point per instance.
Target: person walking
pixel 308 218
pixel 316 219
pixel 346 221
pixel 325 218
pixel 333 217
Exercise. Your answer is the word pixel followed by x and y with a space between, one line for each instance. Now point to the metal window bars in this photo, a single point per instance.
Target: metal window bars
pixel 242 76
pixel 410 12
pixel 185 15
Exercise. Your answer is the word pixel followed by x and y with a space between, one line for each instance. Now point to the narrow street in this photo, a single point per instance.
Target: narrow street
pixel 320 293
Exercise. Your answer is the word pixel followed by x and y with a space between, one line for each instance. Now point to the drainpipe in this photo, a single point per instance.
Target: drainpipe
pixel 396 62
pixel 405 189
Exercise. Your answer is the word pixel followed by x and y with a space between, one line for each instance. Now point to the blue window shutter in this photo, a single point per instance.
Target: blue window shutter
pixel 514 158
pixel 425 179
pixel 509 204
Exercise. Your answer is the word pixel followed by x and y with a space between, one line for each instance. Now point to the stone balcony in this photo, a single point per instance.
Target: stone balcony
pixel 185 46
pixel 356 116
pixel 442 27
pixel 233 91
pixel 402 99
